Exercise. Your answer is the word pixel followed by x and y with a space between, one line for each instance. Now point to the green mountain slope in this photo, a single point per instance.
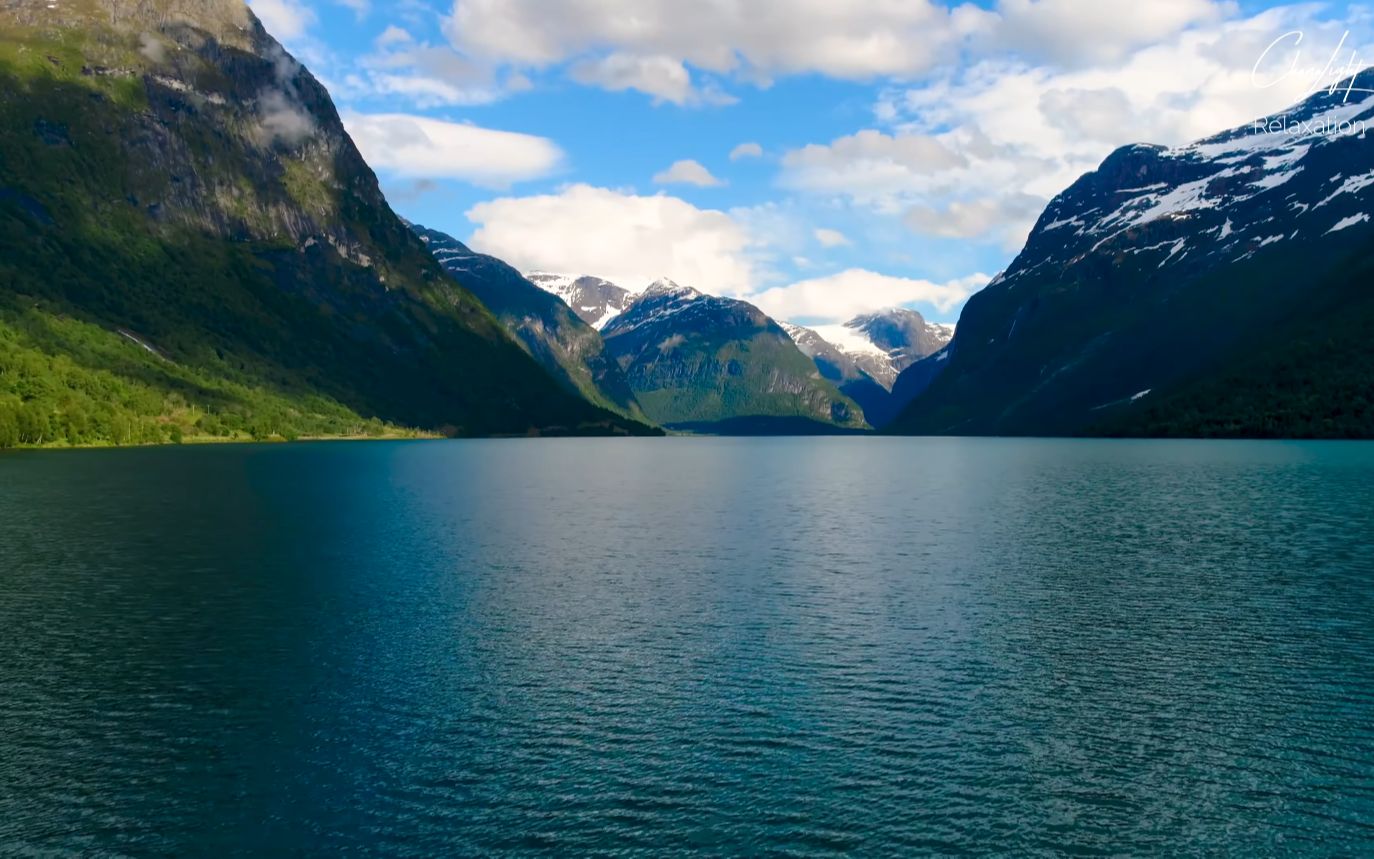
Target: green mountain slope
pixel 183 220
pixel 568 348
pixel 708 364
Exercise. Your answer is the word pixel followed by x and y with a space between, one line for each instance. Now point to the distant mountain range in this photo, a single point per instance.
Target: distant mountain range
pixel 702 363
pixel 708 364
pixel 864 356
pixel 1216 289
pixel 861 358
pixel 191 245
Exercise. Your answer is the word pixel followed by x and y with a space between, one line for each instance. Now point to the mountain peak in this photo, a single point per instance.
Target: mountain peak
pixel 899 315
pixel 666 286
pixel 595 300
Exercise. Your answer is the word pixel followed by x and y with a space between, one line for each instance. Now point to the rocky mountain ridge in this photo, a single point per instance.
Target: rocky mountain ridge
pixel 1208 289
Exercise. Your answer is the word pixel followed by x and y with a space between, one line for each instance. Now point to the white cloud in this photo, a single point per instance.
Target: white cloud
pixel 831 238
pixel 1074 32
pixel 842 296
pixel 869 166
pixel 858 39
pixel 1007 218
pixel 629 239
pixel 687 172
pixel 284 19
pixel 394 35
pixel 152 47
pixel 664 78
pixel 649 45
pixel 422 74
pixel 282 120
pixel 746 150
pixel 418 147
pixel 360 8
pixel 975 152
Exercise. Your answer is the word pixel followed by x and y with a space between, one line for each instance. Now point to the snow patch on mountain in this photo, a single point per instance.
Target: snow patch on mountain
pixel 1346 223
pixel 848 339
pixel 595 300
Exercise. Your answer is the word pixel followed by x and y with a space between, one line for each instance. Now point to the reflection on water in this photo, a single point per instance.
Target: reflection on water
pixel 787 645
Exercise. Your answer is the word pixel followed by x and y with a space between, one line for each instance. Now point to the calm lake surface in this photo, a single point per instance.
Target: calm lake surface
pixel 761 646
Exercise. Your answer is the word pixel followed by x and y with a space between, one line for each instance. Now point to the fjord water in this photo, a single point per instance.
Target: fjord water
pixel 894 646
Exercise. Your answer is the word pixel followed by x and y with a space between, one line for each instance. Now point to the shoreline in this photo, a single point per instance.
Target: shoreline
pixel 214 441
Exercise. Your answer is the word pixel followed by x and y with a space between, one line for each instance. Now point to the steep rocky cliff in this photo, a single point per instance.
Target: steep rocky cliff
pixel 181 207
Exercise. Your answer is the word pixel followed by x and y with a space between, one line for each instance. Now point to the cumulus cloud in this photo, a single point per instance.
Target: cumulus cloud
pixel 284 19
pixel 1007 218
pixel 687 172
pixel 627 238
pixel 423 74
pixel 858 39
pixel 831 238
pixel 975 152
pixel 869 166
pixel 1073 32
pixel 418 147
pixel 664 78
pixel 843 296
pixel 394 35
pixel 652 45
pixel 746 150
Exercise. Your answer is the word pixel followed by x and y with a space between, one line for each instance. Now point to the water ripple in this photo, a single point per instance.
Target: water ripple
pixel 767 647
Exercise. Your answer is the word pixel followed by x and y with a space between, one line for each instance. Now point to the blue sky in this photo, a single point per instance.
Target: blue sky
pixel 821 159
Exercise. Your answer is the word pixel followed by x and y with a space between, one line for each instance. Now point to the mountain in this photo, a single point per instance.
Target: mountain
pixel 709 364
pixel 190 245
pixel 1215 289
pixel 864 356
pixel 594 300
pixel 852 373
pixel 564 345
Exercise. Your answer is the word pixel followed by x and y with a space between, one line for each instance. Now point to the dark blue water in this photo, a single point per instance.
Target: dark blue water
pixel 689 646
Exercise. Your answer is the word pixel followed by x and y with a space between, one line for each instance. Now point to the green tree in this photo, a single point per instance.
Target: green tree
pixel 34 424
pixel 9 425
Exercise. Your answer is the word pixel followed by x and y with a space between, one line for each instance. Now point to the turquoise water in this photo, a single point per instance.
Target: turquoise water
pixel 761 646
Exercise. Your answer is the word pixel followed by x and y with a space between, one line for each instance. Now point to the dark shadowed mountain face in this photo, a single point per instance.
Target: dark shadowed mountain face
pixel 1221 288
pixel 183 216
pixel 864 356
pixel 570 349
pixel 703 362
pixel 595 301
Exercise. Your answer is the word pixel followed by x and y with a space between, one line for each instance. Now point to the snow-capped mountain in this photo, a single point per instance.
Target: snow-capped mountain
pixel 1182 290
pixel 865 355
pixel 544 326
pixel 706 363
pixel 1294 175
pixel 881 344
pixel 594 300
